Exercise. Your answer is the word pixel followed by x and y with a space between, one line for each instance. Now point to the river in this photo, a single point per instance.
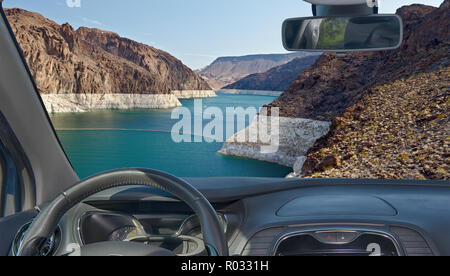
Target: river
pixel 103 140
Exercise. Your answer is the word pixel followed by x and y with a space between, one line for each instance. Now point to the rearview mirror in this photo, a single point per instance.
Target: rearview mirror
pixel 343 34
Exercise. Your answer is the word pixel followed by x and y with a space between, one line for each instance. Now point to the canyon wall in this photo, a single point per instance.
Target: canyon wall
pixel 94 62
pixel 389 110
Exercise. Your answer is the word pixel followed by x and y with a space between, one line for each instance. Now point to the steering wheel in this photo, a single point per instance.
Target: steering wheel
pixel 47 220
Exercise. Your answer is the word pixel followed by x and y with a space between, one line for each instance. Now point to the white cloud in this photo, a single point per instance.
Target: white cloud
pixel 91 21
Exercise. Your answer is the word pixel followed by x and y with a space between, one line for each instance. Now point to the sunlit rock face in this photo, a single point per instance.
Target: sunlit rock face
pixel 168 69
pixel 91 61
pixel 389 110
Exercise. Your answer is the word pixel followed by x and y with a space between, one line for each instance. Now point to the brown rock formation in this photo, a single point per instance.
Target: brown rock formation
pixel 177 75
pixel 390 110
pixel 88 61
pixel 399 130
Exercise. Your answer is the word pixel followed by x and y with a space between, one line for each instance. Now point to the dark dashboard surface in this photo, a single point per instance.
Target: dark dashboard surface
pixel 264 216
pixel 262 212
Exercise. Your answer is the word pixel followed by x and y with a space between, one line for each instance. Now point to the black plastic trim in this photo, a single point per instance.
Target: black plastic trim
pixel 21 162
pixel 10 180
pixel 3 182
pixel 10 226
pixel 314 9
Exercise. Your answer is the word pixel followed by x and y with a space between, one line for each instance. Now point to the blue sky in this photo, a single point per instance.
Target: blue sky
pixel 195 31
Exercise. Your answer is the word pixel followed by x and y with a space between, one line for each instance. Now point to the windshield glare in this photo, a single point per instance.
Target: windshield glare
pixel 206 89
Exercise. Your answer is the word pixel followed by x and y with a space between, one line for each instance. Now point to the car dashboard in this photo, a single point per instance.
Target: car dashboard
pixel 273 217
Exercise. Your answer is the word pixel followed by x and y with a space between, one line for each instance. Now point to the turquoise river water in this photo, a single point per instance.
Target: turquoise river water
pixel 103 140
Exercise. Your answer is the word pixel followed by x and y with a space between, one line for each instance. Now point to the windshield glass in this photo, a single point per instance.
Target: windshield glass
pixel 205 89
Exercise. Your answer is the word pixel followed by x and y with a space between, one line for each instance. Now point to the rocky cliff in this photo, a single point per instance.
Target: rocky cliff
pixel 91 61
pixel 171 70
pixel 389 110
pixel 227 70
pixel 276 79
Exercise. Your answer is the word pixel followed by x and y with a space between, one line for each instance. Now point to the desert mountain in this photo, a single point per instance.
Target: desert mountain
pixel 390 110
pixel 91 61
pixel 276 79
pixel 227 70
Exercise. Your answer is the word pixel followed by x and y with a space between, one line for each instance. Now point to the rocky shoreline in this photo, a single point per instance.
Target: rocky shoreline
pixel 66 103
pixel 296 137
pixel 250 92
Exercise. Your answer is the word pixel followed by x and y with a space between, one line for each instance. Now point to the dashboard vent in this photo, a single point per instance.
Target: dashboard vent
pixel 262 242
pixel 48 249
pixel 413 243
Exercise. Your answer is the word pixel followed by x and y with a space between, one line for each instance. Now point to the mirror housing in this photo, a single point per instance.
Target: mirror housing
pixel 343 33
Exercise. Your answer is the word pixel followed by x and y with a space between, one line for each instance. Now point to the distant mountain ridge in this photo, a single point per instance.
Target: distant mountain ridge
pixel 276 79
pixel 227 70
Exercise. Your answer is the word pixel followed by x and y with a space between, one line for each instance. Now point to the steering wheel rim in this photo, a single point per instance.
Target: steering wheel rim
pixel 47 220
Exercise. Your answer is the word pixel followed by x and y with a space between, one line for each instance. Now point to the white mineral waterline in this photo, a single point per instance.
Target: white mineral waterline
pixel 63 103
pixel 190 94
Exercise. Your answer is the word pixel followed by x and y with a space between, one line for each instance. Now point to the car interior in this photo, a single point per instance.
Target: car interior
pixel 47 210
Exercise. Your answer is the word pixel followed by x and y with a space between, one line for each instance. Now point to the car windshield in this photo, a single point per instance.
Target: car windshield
pixel 205 89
